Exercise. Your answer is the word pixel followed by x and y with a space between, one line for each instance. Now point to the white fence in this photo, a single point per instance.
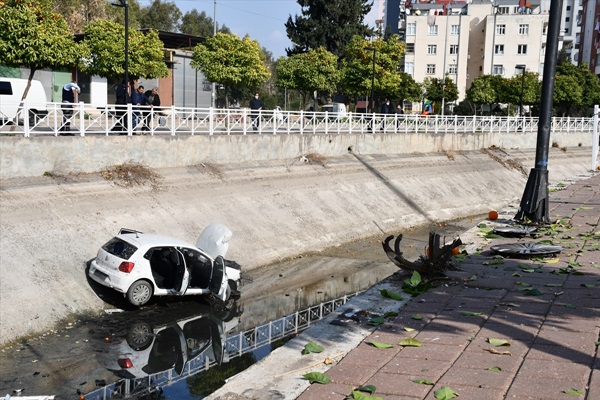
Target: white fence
pixel 85 119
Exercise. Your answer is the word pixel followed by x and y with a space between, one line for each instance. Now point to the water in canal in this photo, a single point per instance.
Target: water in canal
pixel 187 348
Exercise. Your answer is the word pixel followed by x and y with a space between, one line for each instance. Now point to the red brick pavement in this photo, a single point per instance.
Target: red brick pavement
pixel 552 336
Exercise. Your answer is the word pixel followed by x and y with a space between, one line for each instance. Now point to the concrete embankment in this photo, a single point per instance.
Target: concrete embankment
pixel 51 227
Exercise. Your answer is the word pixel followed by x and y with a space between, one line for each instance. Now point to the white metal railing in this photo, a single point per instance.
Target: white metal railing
pixel 235 346
pixel 86 119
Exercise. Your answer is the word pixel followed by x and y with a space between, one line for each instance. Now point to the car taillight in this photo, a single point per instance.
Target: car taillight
pixel 125 363
pixel 126 266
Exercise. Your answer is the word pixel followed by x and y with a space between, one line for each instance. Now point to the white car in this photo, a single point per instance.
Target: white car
pixel 141 265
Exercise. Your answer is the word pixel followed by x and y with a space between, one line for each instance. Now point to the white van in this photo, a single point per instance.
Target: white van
pixel 11 92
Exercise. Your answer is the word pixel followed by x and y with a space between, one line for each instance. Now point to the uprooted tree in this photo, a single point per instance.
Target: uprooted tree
pixel 437 260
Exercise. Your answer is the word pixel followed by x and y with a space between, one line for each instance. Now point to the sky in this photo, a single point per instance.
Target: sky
pixel 263 20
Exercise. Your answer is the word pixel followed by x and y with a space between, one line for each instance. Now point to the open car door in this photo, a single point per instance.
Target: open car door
pixel 182 275
pixel 218 282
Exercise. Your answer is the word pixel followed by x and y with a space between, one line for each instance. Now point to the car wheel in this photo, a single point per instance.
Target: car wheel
pixel 139 293
pixel 139 336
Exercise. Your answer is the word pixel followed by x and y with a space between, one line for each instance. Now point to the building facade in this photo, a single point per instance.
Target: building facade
pixel 464 40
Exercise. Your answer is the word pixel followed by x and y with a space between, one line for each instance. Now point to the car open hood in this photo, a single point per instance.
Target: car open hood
pixel 214 240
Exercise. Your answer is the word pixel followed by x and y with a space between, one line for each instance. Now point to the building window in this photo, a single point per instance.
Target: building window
pixel 499 49
pixel 409 48
pixel 411 29
pixel 566 31
pixel 409 68
pixel 432 30
pixel 503 10
pixel 453 69
pixel 568 19
pixel 522 49
pixel 453 49
pixel 454 29
pixel 524 29
pixel 568 8
pixel 545 29
pixel 498 70
pixel 431 49
pixel 500 29
pixel 520 69
pixel 430 69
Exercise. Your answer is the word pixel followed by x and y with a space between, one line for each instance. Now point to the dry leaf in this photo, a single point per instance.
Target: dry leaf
pixel 328 361
pixel 494 351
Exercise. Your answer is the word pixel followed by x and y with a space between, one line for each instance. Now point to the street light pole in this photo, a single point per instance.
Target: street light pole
pixel 372 100
pixel 522 90
pixel 213 93
pixel 125 4
pixel 534 204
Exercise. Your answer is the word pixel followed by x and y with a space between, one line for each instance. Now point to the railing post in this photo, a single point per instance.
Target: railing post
pixel 172 120
pixel 81 119
pixel 301 122
pixel 326 122
pixel 595 138
pixel 129 121
pixel 211 122
pixel 244 121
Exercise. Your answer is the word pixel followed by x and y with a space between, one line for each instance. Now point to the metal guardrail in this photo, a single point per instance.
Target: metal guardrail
pixel 86 119
pixel 235 346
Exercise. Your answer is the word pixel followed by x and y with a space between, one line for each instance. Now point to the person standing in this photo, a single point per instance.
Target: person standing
pixel 69 94
pixel 399 112
pixel 122 99
pixel 154 100
pixel 138 99
pixel 386 108
pixel 256 105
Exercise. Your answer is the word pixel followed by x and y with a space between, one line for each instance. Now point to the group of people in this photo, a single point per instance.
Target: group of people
pixel 138 98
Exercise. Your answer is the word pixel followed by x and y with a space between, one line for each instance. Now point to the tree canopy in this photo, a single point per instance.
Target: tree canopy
pixel 35 37
pixel 316 70
pixel 104 56
pixel 199 24
pixel 231 61
pixel 357 66
pixel 437 89
pixel 327 23
pixel 161 15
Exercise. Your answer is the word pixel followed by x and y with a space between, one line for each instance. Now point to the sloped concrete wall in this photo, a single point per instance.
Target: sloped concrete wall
pixel 21 157
pixel 275 209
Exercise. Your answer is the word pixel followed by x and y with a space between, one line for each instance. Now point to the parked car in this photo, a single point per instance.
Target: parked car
pixel 11 92
pixel 141 265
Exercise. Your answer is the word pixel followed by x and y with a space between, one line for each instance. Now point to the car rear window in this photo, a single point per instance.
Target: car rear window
pixel 120 248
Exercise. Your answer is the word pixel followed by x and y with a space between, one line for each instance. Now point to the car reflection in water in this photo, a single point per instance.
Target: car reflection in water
pixel 158 347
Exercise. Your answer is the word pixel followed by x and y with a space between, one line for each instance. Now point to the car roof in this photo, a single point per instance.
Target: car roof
pixel 152 240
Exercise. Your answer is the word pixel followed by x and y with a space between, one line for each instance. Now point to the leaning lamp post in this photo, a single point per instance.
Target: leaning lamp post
pixel 372 99
pixel 535 201
pixel 125 4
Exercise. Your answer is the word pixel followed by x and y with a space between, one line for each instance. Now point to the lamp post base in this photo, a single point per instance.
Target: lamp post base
pixel 535 201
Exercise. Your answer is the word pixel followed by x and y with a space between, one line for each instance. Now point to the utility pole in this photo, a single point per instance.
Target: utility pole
pixel 535 201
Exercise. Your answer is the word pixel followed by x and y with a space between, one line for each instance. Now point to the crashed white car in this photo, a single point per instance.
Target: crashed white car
pixel 141 265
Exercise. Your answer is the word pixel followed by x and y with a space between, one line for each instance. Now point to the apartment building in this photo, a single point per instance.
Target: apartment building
pixel 467 39
pixel 589 47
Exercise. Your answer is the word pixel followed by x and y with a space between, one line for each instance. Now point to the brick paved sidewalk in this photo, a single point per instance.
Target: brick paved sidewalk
pixel 553 336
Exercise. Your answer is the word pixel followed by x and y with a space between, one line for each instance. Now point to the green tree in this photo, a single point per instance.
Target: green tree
pixel 357 67
pixel 526 87
pixel 437 89
pixel 78 13
pixel 199 24
pixel 161 15
pixel 33 36
pixel 104 43
pixel 231 61
pixel 584 81
pixel 327 23
pixel 409 88
pixel 117 14
pixel 487 89
pixel 316 70
pixel 568 93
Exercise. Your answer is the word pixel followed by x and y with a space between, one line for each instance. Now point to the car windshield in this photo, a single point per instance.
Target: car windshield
pixel 120 248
